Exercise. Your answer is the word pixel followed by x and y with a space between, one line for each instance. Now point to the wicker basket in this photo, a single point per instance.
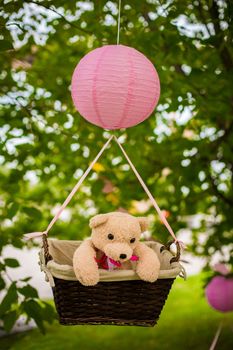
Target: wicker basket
pixel 130 302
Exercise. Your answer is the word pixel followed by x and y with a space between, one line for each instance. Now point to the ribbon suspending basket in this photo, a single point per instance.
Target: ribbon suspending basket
pixel 120 298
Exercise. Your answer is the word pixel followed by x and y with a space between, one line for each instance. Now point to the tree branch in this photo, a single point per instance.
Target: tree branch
pixel 219 39
pixel 217 192
pixel 61 16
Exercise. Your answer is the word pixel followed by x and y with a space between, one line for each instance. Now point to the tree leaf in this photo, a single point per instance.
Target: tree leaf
pixel 5 45
pixel 26 279
pixel 49 313
pixel 32 212
pixel 9 320
pixel 12 210
pixel 28 291
pixel 34 311
pixel 10 298
pixel 2 283
pixel 11 262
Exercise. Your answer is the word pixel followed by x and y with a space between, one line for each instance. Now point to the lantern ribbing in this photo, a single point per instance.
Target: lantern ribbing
pixel 115 87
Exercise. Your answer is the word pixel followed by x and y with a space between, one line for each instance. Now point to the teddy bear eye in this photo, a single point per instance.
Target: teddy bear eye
pixel 132 240
pixel 110 236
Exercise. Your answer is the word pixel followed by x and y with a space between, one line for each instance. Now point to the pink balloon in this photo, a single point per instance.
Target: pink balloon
pixel 219 293
pixel 115 87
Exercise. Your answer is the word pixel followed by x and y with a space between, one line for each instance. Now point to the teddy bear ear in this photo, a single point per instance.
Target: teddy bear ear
pixel 144 223
pixel 98 220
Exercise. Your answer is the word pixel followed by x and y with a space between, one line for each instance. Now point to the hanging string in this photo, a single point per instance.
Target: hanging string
pixel 215 340
pixel 31 235
pixel 79 183
pixel 119 22
pixel 152 199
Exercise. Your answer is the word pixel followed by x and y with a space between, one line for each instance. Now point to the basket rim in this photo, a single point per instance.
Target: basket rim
pixel 66 272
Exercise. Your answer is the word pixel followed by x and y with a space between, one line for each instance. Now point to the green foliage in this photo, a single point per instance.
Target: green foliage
pixel 28 291
pixel 11 262
pixel 10 299
pixel 22 299
pixel 183 151
pixel 9 320
pixel 34 310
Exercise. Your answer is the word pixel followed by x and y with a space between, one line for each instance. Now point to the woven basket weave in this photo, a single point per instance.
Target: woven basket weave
pixel 133 302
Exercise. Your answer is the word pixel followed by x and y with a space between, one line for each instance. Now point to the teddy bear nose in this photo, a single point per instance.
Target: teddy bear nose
pixel 123 256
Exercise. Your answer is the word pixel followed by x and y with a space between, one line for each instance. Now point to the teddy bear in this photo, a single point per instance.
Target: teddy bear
pixel 114 243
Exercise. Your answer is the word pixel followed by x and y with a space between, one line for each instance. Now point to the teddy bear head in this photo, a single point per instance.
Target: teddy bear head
pixel 117 234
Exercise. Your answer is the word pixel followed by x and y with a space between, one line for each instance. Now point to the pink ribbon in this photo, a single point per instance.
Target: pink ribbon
pixel 32 235
pixel 134 258
pixel 118 264
pixel 103 261
pixel 153 201
pixel 114 262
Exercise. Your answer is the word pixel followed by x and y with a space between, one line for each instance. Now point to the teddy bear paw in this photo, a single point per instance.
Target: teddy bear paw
pixel 148 275
pixel 87 278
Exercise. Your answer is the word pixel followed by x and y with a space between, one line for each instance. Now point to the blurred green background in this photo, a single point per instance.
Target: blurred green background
pixel 183 151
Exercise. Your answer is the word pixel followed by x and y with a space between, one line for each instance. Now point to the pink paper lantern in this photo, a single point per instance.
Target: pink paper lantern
pixel 115 87
pixel 219 293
